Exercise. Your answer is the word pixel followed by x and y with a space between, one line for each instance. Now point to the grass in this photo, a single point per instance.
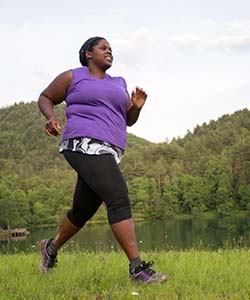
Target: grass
pixel 193 274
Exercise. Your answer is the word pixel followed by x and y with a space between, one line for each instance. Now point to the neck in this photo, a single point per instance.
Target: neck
pixel 96 72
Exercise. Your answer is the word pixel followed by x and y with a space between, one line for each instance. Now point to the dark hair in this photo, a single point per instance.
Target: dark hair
pixel 88 46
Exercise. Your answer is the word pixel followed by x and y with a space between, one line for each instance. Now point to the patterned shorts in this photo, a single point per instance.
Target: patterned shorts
pixel 91 147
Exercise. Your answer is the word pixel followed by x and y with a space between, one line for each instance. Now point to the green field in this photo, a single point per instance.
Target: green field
pixel 222 274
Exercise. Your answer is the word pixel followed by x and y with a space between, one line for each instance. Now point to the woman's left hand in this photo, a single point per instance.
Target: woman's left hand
pixel 138 97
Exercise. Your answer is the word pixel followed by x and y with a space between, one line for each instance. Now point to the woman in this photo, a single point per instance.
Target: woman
pixel 98 110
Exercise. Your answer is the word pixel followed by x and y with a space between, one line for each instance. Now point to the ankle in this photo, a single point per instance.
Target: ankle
pixel 135 263
pixel 52 248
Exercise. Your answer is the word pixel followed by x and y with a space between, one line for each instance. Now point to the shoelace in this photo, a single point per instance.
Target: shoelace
pixel 146 267
pixel 53 262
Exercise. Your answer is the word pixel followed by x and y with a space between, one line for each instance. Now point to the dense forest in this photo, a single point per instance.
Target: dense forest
pixel 207 170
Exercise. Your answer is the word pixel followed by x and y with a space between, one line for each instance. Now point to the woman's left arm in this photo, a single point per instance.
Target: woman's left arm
pixel 135 104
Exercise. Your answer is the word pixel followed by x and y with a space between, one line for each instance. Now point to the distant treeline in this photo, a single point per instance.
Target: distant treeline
pixel 207 170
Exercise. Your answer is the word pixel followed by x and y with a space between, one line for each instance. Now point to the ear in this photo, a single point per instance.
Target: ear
pixel 88 54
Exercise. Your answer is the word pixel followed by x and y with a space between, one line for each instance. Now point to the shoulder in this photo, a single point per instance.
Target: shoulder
pixel 66 75
pixel 119 80
pixel 80 70
pixel 79 73
pixel 64 79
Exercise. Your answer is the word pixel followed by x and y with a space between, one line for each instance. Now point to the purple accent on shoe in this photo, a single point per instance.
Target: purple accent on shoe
pixel 48 262
pixel 145 274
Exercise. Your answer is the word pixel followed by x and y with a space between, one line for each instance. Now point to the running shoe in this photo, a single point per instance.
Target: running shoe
pixel 48 262
pixel 145 274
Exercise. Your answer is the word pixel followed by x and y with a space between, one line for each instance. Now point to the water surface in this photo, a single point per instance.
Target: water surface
pixel 161 235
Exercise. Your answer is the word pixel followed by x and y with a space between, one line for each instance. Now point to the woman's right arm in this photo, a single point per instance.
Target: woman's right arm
pixel 54 94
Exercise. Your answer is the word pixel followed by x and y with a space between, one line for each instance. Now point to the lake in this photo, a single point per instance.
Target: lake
pixel 160 235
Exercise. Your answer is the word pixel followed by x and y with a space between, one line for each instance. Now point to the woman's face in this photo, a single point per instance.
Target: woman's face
pixel 101 55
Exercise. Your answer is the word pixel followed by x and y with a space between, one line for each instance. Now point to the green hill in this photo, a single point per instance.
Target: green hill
pixel 207 170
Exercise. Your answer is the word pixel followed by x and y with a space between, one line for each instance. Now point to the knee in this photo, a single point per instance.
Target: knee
pixel 76 219
pixel 119 209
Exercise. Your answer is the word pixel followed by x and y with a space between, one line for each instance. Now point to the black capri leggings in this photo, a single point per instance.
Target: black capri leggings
pixel 99 179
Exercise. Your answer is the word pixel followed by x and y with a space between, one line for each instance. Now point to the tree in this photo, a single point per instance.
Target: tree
pixel 219 177
pixel 9 214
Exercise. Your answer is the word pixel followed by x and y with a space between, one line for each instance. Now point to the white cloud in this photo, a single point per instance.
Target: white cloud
pixel 219 36
pixel 231 27
pixel 121 11
pixel 219 43
pixel 136 47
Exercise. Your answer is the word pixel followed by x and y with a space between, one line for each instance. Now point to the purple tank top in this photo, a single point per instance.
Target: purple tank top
pixel 96 108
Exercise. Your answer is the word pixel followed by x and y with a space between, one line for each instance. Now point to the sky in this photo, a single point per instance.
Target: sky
pixel 190 56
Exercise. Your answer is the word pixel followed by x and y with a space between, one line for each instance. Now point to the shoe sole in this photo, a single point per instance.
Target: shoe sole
pixel 42 268
pixel 162 279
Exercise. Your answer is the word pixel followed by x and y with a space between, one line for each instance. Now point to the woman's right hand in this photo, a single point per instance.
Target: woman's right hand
pixel 53 95
pixel 53 126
